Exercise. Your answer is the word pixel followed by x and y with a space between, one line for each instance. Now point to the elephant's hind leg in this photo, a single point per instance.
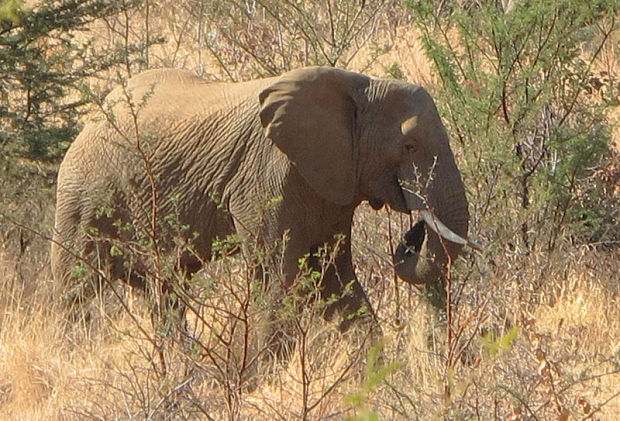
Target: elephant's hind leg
pixel 81 263
pixel 65 249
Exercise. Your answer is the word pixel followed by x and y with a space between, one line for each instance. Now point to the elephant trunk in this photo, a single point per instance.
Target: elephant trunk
pixel 423 256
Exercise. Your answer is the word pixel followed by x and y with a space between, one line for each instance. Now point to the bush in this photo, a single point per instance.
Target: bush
pixel 44 57
pixel 267 38
pixel 523 93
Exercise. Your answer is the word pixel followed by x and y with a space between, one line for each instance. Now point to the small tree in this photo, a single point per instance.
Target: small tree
pixel 44 56
pixel 268 37
pixel 525 93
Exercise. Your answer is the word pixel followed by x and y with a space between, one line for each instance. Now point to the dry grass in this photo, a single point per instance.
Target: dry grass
pixel 564 358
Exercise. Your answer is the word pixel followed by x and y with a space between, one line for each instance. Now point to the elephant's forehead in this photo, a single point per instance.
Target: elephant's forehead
pixel 397 106
pixel 397 101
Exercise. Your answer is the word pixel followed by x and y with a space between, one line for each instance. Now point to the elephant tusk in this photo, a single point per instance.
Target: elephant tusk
pixel 416 201
pixel 436 225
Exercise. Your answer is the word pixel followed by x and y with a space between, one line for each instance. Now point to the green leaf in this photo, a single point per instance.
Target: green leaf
pixel 78 272
pixel 9 10
pixel 115 251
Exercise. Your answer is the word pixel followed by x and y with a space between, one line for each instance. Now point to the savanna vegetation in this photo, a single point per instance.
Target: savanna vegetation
pixel 527 329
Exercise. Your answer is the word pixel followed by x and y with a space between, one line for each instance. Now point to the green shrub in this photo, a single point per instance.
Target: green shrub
pixel 522 95
pixel 43 61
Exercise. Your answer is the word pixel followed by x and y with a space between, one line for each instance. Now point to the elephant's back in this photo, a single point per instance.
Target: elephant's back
pixel 138 114
pixel 170 93
pixel 165 114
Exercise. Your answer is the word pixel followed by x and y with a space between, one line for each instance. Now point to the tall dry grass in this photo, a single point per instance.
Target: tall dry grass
pixel 565 353
pixel 563 360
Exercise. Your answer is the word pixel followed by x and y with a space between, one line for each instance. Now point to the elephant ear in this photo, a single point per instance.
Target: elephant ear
pixel 310 115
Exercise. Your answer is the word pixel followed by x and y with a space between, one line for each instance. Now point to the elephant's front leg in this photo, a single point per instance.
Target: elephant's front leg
pixel 341 290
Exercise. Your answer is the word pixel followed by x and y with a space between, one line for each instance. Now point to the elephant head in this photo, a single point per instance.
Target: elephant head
pixel 355 138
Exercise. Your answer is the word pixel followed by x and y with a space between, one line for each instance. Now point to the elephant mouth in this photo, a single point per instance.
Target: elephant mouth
pixel 414 238
pixel 376 204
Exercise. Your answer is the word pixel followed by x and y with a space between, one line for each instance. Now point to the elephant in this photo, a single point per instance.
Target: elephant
pixel 319 139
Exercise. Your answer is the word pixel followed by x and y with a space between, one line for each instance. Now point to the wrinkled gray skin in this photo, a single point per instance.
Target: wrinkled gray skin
pixel 322 139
